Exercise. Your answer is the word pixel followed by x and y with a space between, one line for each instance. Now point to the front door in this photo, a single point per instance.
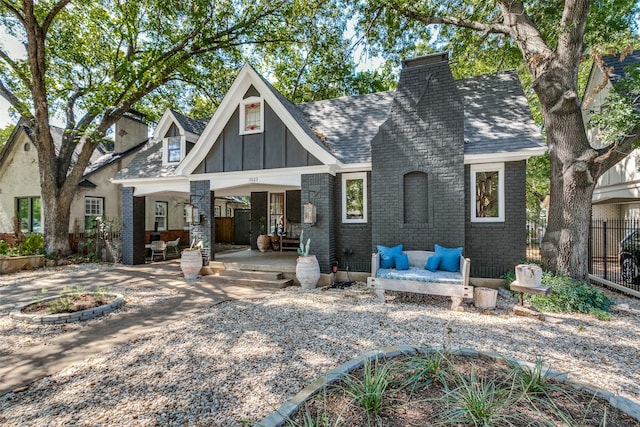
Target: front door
pixel 242 226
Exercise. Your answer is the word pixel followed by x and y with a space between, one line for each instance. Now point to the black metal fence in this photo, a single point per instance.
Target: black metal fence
pixel 614 250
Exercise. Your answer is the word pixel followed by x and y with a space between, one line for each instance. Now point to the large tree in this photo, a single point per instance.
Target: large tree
pixel 550 39
pixel 88 62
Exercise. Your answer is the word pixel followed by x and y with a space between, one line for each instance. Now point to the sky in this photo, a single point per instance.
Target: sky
pixel 14 48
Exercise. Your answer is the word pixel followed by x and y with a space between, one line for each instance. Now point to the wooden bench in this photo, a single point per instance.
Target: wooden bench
pixel 455 286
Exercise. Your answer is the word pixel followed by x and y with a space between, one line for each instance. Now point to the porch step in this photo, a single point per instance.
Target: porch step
pixel 252 274
pixel 248 281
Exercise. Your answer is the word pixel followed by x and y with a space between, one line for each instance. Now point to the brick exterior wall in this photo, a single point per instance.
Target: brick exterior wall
pixel 424 133
pixel 203 198
pixel 496 247
pixel 133 233
pixel 320 190
pixel 353 241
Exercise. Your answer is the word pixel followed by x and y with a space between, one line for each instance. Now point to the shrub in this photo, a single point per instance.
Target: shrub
pixel 571 295
pixel 32 245
pixel 4 248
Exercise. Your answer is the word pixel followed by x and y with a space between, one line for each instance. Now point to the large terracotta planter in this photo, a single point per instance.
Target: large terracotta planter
pixel 263 242
pixel 191 263
pixel 308 271
pixel 528 275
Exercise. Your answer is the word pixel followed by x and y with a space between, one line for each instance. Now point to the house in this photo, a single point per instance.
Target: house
pixel 617 192
pixel 20 195
pixel 437 161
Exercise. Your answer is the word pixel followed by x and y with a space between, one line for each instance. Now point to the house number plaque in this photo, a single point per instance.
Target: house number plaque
pixel 253 179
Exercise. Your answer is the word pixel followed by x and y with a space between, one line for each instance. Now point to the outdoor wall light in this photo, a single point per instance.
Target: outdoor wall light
pixel 309 213
pixel 191 214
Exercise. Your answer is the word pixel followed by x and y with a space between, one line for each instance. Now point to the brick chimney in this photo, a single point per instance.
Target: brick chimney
pixel 418 160
pixel 130 130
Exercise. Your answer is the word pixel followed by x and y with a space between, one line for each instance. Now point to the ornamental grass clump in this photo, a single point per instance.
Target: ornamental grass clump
pixel 370 390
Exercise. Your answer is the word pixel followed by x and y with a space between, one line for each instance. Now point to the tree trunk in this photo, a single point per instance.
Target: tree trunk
pixel 56 213
pixel 565 247
pixel 56 198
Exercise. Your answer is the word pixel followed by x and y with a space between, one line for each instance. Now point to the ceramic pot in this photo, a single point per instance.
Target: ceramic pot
pixel 263 242
pixel 308 271
pixel 191 263
pixel 528 275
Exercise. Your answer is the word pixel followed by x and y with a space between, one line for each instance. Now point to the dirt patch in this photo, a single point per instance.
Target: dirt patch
pixel 461 386
pixel 68 304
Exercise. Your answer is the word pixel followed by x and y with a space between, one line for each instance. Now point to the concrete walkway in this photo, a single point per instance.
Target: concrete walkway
pixel 45 359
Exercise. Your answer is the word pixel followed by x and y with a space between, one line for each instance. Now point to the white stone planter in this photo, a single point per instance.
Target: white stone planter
pixel 308 271
pixel 528 275
pixel 191 263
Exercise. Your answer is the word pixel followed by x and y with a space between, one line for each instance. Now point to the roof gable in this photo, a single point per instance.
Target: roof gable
pixel 284 109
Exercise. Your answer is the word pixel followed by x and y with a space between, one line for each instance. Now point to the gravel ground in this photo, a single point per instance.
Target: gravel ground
pixel 235 362
pixel 17 335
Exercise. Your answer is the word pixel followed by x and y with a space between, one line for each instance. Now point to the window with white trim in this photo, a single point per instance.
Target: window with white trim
pixel 251 115
pixel 173 149
pixel 354 197
pixel 161 215
pixel 93 208
pixel 487 197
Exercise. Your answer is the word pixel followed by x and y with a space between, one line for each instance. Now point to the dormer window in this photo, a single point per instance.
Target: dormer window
pixel 251 115
pixel 173 149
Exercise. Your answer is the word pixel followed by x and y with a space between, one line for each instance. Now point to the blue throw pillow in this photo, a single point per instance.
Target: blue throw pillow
pixel 450 258
pixel 402 262
pixel 387 255
pixel 433 262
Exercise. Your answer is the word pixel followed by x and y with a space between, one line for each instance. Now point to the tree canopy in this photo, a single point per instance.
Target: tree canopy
pixel 89 62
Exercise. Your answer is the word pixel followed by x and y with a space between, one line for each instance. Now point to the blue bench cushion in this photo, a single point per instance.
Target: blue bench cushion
pixel 421 275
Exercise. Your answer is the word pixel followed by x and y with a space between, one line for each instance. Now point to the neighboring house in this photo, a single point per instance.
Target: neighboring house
pixel 617 193
pixel 20 195
pixel 437 161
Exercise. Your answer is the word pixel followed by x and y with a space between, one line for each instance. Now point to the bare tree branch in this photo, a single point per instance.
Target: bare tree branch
pixel 452 20
pixel 14 66
pixel 13 10
pixel 52 14
pixel 15 102
pixel 572 27
pixel 609 156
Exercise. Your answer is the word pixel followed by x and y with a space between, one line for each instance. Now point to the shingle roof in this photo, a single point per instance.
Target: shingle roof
pixel 613 61
pixel 194 126
pixel 497 118
pixel 349 123
pixel 147 163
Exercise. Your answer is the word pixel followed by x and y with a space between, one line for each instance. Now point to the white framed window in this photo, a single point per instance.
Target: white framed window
pixel 173 148
pixel 487 192
pixel 354 197
pixel 161 215
pixel 251 115
pixel 93 207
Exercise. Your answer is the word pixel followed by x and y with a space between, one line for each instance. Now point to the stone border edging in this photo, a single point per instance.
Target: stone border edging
pixel 286 410
pixel 60 318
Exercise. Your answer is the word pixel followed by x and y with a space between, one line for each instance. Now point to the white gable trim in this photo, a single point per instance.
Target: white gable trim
pixel 246 78
pixel 165 123
pixel 514 156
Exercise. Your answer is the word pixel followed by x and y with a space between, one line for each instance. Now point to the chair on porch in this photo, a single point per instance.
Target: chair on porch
pixel 158 247
pixel 173 244
pixel 291 239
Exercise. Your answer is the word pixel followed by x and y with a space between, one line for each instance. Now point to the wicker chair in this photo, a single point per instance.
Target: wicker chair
pixel 174 244
pixel 158 247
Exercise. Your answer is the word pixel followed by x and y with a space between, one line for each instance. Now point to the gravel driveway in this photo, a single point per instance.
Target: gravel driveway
pixel 235 362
